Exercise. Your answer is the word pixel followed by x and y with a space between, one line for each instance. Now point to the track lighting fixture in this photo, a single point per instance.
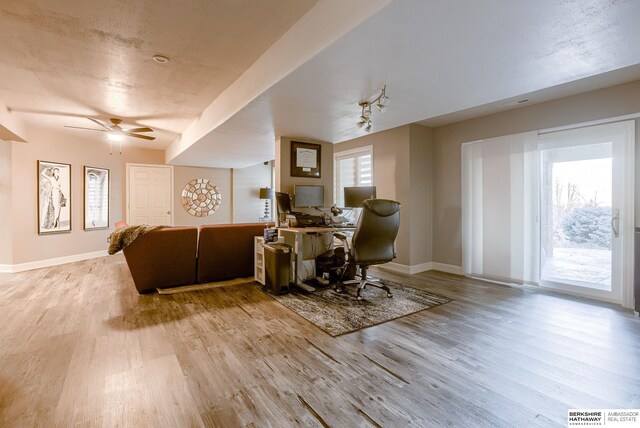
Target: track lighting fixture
pixel 380 102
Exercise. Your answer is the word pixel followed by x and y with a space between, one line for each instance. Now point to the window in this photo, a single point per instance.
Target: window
pixel 352 168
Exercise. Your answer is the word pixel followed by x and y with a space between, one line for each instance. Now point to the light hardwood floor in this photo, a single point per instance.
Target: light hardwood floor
pixel 79 346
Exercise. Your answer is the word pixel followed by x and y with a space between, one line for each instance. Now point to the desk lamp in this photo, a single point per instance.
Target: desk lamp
pixel 267 194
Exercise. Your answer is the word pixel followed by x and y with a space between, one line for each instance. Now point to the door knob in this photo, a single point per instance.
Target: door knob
pixel 168 212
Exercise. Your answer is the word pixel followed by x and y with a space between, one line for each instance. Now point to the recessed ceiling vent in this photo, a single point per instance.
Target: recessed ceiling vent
pixel 517 102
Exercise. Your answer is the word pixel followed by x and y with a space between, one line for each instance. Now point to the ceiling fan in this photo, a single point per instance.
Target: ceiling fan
pixel 116 132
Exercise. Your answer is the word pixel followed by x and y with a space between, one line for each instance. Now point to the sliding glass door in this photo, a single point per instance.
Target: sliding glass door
pixel 582 199
pixel 552 209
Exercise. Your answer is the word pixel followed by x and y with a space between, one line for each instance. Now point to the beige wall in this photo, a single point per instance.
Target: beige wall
pixel 605 103
pixel 218 176
pixel 402 171
pixel 247 205
pixel 421 194
pixel 418 166
pixel 284 180
pixel 391 174
pixel 6 243
pixel 27 244
pixel 18 197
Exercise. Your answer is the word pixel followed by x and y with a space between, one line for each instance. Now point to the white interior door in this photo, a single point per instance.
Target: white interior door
pixel 586 214
pixel 150 195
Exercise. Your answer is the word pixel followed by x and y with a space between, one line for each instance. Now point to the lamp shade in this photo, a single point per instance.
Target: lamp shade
pixel 267 193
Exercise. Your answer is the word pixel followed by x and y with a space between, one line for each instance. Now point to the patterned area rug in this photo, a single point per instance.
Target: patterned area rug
pixel 338 314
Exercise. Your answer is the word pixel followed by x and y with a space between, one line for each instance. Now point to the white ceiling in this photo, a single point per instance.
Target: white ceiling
pixel 244 73
pixel 63 60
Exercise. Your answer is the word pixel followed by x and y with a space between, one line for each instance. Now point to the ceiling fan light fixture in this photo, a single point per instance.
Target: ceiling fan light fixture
pixel 115 133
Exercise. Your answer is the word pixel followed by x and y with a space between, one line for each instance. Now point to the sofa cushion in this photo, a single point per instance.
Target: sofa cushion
pixel 226 251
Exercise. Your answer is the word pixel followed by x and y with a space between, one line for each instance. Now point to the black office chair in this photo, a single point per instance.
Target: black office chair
pixel 373 242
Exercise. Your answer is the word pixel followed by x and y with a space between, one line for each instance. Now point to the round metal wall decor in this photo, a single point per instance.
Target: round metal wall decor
pixel 200 197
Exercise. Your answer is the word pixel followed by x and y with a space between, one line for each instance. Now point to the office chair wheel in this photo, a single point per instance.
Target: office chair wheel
pixel 389 295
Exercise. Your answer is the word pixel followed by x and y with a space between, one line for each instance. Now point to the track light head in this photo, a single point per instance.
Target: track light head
pixel 380 102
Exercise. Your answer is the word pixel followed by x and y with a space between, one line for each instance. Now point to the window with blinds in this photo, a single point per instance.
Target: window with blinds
pixel 352 168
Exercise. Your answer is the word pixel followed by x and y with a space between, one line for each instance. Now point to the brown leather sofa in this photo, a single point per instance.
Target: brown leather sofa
pixel 226 251
pixel 163 258
pixel 174 256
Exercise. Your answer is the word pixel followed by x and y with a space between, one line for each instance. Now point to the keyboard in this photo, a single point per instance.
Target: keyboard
pixel 309 221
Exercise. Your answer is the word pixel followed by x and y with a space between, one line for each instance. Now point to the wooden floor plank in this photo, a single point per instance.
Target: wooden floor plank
pixel 79 346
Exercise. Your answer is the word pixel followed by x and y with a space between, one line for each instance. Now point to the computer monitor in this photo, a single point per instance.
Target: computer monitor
pixel 284 203
pixel 308 196
pixel 355 196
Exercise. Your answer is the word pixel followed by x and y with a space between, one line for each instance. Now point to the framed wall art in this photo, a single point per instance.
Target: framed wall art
pixel 54 197
pixel 96 198
pixel 305 159
pixel 201 198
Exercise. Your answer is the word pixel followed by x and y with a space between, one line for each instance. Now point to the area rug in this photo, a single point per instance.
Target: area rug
pixel 339 314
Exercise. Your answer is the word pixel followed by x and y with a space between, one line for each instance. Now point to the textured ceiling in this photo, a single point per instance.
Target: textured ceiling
pixel 244 72
pixel 437 59
pixel 61 60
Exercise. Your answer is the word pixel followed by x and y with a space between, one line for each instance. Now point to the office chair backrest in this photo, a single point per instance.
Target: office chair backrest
pixel 284 203
pixel 373 240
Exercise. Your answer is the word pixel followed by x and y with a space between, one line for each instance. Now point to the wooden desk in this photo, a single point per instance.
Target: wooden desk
pixel 308 243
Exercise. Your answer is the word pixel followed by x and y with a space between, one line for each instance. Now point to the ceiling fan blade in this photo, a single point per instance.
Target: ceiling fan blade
pixel 99 123
pixel 139 130
pixel 144 137
pixel 88 129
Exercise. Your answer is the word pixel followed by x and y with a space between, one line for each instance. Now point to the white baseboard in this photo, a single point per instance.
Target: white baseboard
pixel 38 264
pixel 396 267
pixel 422 267
pixel 442 267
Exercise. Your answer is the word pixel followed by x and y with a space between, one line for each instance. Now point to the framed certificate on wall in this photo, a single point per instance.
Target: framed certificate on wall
pixel 305 159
